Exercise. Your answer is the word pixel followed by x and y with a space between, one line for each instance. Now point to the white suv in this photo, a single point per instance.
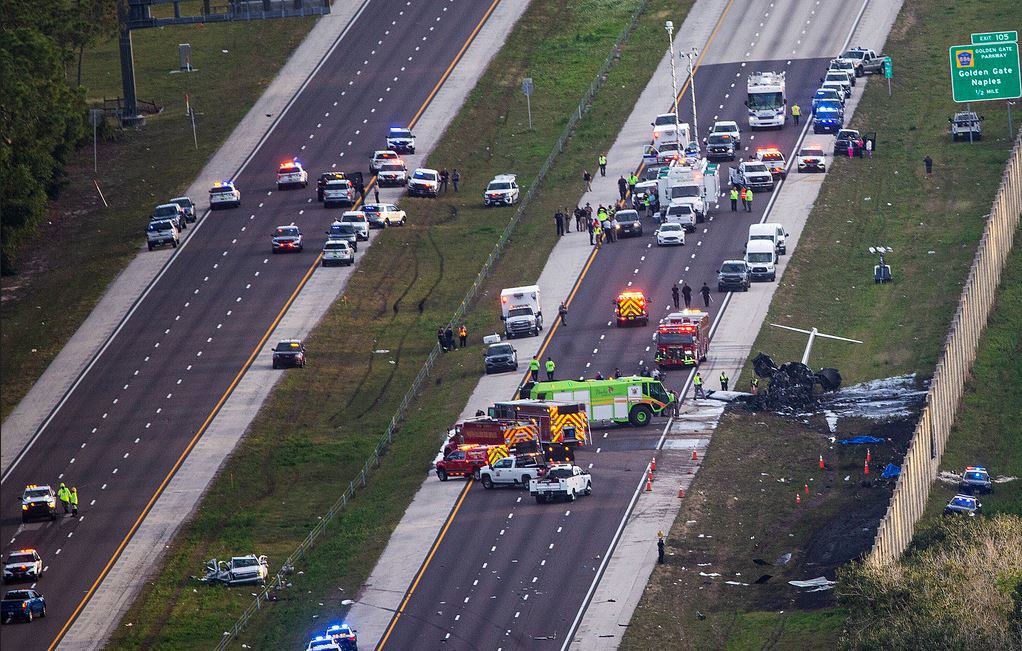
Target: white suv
pixel 224 194
pixel 159 233
pixel 358 219
pixel 337 252
pixel 424 183
pixel 502 191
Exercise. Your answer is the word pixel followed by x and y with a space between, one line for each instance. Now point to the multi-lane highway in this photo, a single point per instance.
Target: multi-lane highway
pixel 127 424
pixel 508 573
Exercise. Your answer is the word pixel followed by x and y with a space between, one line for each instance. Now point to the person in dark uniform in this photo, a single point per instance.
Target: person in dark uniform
pixel 686 292
pixel 622 187
pixel 660 550
pixel 559 219
pixel 705 291
pixel 675 294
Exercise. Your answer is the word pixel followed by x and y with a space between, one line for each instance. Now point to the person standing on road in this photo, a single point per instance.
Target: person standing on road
pixel 64 495
pixel 686 292
pixel 534 369
pixel 73 498
pixel 444 176
pixel 602 160
pixel 567 220
pixel 580 215
pixel 724 379
pixel 676 297
pixel 562 312
pixel 589 225
pixel 463 335
pixel 633 180
pixel 928 162
pixel 587 178
pixel 741 195
pixel 705 291
pixel 622 187
pixel 550 366
pixel 559 220
pixel 748 199
pixel 697 386
pixel 449 336
pixel 613 228
pixel 734 199
pixel 455 178
pixel 376 193
pixel 796 112
pixel 440 339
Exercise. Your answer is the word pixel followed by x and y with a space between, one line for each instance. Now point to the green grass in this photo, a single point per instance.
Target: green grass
pixel 76 255
pixel 298 455
pixel 933 225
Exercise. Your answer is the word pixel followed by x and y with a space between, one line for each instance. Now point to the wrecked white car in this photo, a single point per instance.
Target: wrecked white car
pixel 240 570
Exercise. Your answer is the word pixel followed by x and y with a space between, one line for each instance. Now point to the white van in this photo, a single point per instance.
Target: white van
pixel 769 231
pixel 761 256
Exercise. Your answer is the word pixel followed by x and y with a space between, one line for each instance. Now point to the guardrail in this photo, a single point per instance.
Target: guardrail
pixel 279 580
pixel 943 400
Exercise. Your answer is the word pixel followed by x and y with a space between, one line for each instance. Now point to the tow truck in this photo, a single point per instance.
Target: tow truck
pixel 291 173
pixel 561 483
pixel 682 339
pixel 38 501
pixel 630 307
pixel 774 160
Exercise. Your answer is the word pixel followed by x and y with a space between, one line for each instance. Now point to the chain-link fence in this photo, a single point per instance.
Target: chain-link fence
pixel 279 580
pixel 922 461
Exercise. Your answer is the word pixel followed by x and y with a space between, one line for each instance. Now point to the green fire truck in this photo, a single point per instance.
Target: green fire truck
pixel 633 400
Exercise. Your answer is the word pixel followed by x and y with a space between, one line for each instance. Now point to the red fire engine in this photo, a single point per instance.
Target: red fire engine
pixel 682 339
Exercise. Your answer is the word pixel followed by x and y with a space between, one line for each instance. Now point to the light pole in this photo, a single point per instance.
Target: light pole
pixel 691 54
pixel 669 25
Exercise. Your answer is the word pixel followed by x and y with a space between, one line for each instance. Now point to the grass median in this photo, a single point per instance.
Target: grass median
pixel 734 512
pixel 81 248
pixel 318 427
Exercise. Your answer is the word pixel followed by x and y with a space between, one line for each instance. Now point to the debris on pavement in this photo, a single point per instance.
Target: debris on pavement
pixel 819 583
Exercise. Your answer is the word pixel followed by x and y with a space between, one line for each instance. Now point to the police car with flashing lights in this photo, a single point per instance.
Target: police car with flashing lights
pixel 774 160
pixel 291 173
pixel 322 643
pixel 501 191
pixel 963 505
pixel 392 173
pixel 811 158
pixel 286 239
pixel 38 502
pixel 822 94
pixel 379 157
pixel 975 480
pixel 224 194
pixel 344 231
pixel 424 183
pixel 828 116
pixel 401 140
pixel 23 565
pixel 343 636
pixel 289 352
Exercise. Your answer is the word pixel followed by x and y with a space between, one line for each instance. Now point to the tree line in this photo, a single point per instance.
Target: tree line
pixel 42 107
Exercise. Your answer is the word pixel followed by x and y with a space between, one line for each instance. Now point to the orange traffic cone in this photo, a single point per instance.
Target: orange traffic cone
pixel 652 464
pixel 807 489
pixel 821 462
pixel 865 468
pixel 681 492
pixel 869 457
pixel 649 485
pixel 798 498
pixel 649 476
pixel 695 456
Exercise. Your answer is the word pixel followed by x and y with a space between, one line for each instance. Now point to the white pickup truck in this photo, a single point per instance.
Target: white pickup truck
pixel 515 471
pixel 561 483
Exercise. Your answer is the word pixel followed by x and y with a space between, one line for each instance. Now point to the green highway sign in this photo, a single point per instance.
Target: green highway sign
pixel 888 68
pixel 985 72
pixel 994 37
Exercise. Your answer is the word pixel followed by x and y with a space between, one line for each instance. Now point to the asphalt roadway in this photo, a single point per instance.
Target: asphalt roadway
pixel 128 423
pixel 512 574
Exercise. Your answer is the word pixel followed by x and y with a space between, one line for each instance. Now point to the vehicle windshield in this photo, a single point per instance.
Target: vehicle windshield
pixel 498 186
pixel 288 346
pixel 245 562
pixel 289 231
pixel 400 133
pixel 854 54
pixel 811 152
pixel 503 463
pixel 837 76
pixel 667 118
pixel 675 338
pixel 679 191
pixel 763 101
pixel 761 257
pixel 732 268
pixel 755 167
pixel 669 147
pixel 342 229
pixel 679 209
pixel 656 391
pixel 21 558
pixel 184 203
pixel 845 135
pixel 719 139
pixel 976 476
pixel 353 218
pixel 392 167
pixel 725 128
pixel 336 184
pixel 667 228
pixel 502 349
pixel 160 226
pixel 335 245
pixel 966 502
pixel 626 216
pixel 841 65
pixel 223 189
pixel 426 176
pixel 828 105
pixel 520 311
pixel 826 93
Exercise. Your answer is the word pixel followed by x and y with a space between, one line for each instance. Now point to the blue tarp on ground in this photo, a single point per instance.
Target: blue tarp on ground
pixel 891 471
pixel 860 440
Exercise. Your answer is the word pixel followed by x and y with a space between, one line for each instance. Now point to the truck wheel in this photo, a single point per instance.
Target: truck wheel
pixel 640 416
pixel 487 482
pixel 571 495
pixel 589 488
pixel 525 481
pixel 442 474
pixel 150 247
pixel 42 613
pixel 541 499
pixel 28 617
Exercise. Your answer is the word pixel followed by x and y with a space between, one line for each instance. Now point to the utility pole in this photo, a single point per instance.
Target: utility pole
pixel 129 111
pixel 691 54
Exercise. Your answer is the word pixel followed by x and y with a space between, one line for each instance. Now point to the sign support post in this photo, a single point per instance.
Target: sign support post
pixel 527 90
